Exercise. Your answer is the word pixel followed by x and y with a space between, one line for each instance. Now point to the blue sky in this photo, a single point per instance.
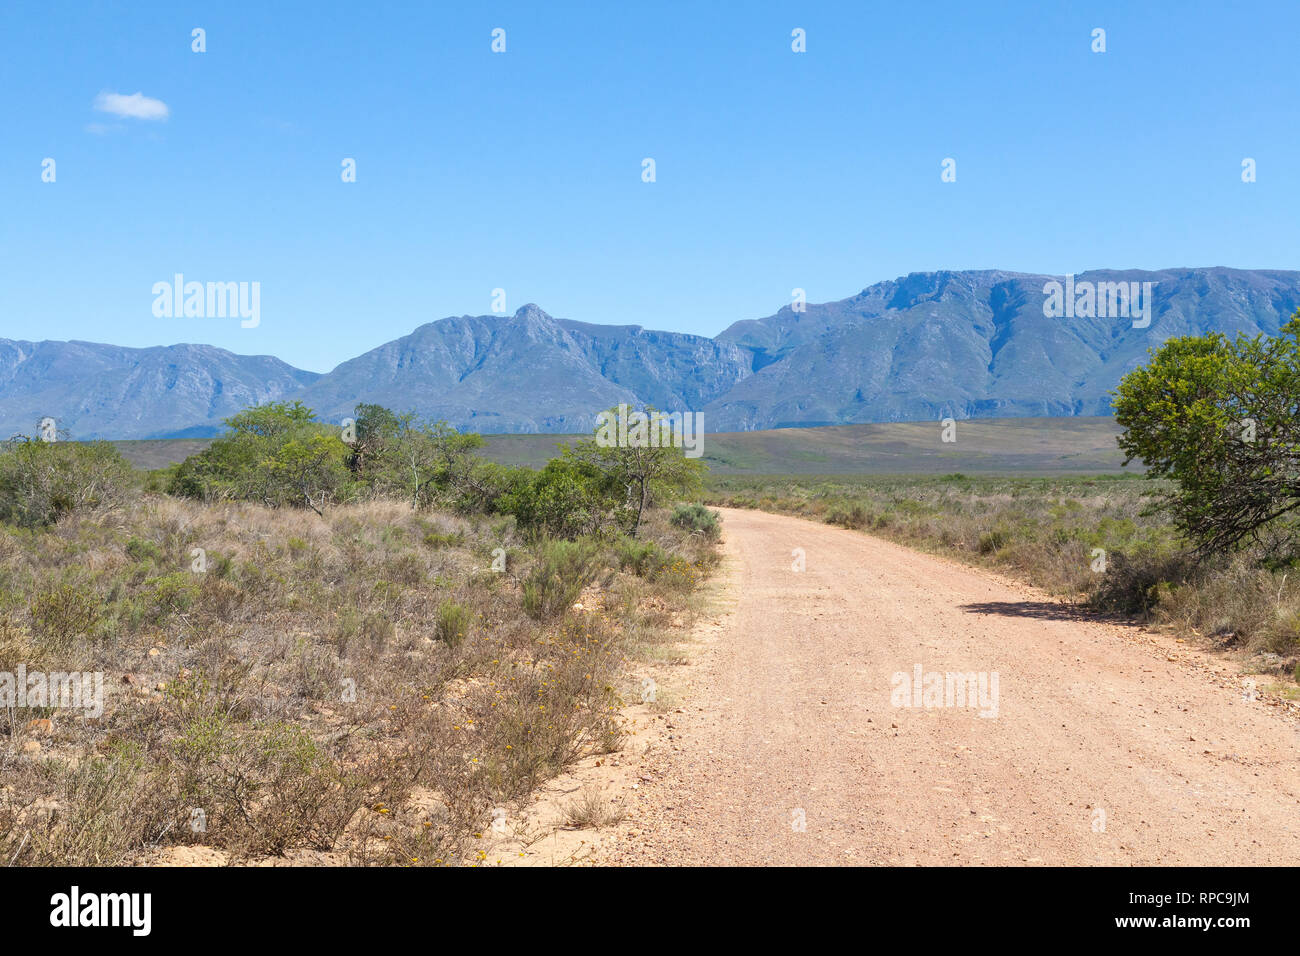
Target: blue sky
pixel 522 170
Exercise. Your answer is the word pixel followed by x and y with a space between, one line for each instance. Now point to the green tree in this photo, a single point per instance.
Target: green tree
pixel 438 464
pixel 272 420
pixel 276 454
pixel 637 471
pixel 563 500
pixel 308 469
pixel 1221 418
pixel 378 432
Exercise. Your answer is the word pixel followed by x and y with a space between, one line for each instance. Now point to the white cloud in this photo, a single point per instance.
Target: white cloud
pixel 135 106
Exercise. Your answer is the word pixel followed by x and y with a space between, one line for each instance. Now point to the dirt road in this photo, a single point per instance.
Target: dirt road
pixel 793 745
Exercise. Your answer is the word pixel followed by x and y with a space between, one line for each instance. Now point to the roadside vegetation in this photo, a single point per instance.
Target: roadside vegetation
pixel 323 644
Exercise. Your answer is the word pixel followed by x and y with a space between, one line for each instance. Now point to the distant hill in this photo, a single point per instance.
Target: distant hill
pixel 975 344
pixel 925 346
pixel 530 372
pixel 104 391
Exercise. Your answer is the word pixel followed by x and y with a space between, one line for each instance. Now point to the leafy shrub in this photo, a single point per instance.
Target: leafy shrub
pixel 111 805
pixel 1282 634
pixel 140 550
pixel 452 622
pixel 65 613
pixel 173 592
pixel 41 481
pixel 1136 583
pixel 854 516
pixel 562 570
pixel 441 539
pixel 991 541
pixel 275 454
pixel 642 558
pixel 221 599
pixel 563 500
pixel 265 789
pixel 404 569
pixel 18 647
pixel 697 519
pixel 374 629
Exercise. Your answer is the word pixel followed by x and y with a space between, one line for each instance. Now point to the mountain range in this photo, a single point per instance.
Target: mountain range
pixel 925 346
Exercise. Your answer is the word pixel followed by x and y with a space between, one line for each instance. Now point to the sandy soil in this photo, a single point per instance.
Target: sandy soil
pixel 1110 745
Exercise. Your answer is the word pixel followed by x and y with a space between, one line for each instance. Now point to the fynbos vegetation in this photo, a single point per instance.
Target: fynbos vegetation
pixel 333 643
